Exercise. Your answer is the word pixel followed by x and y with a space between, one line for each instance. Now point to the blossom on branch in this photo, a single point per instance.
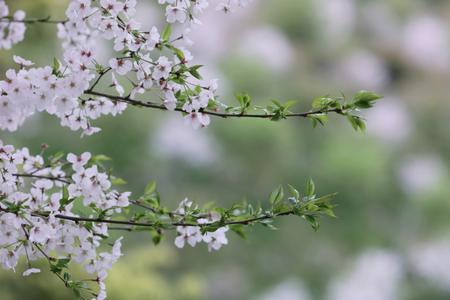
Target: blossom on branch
pixel 38 194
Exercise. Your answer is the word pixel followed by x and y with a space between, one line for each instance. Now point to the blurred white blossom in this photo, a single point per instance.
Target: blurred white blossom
pixel 426 43
pixel 174 140
pixel 382 23
pixel 363 70
pixel 419 174
pixel 269 46
pixel 431 260
pixel 221 31
pixel 337 18
pixel 390 121
pixel 290 289
pixel 375 275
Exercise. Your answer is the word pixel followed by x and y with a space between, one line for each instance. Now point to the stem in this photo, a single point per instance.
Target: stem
pixel 152 225
pixel 43 177
pixel 154 105
pixel 99 78
pixel 46 20
pixel 132 223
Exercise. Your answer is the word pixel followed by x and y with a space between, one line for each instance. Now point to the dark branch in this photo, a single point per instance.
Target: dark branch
pixel 46 20
pixel 174 224
pixel 99 78
pixel 60 179
pixel 149 104
pixel 133 224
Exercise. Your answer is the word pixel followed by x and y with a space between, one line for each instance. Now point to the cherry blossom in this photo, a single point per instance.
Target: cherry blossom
pixel 39 193
pixel 61 89
pixel 31 271
pixel 37 216
pixel 35 230
pixel 192 235
pixel 10 32
pixel 121 66
pixel 176 13
pixel 216 239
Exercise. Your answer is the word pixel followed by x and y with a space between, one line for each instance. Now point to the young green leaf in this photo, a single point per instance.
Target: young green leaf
pixel 150 188
pixel 167 32
pixel 276 196
pixel 310 188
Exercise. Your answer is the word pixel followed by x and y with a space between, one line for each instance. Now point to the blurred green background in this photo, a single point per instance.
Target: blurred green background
pixel 391 239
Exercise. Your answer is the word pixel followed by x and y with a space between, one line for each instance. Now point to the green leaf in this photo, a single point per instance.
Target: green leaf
pixel 65 194
pixel 56 157
pixel 179 53
pixel 65 200
pixel 150 188
pixel 239 230
pixel 56 67
pixel 156 236
pixel 316 119
pixel 194 71
pixel 294 192
pixel 329 212
pixel 66 276
pixel 289 104
pixel 361 124
pixel 167 32
pixel 99 68
pixel 323 103
pixel 365 99
pixel 310 188
pixel 268 224
pixel 313 221
pixel 100 158
pixel 244 101
pixel 356 122
pixel 59 265
pixel 276 196
pixel 277 103
pixel 325 199
pixel 117 181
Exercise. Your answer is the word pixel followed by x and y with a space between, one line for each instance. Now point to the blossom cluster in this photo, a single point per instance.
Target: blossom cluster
pixel 145 57
pixel 62 209
pixel 37 204
pixel 39 89
pixel 192 235
pixel 185 10
pixel 12 30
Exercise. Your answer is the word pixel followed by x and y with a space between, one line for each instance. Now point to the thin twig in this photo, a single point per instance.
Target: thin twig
pixel 45 20
pixel 99 78
pixel 60 179
pixel 224 115
pixel 153 225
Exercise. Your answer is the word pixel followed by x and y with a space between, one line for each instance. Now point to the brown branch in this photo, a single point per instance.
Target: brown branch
pixel 46 20
pixel 67 180
pixel 132 223
pixel 224 115
pixel 99 78
pixel 153 225
pixel 60 179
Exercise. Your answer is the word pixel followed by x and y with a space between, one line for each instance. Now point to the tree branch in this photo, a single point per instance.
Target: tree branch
pixel 156 225
pixel 46 20
pixel 60 179
pixel 149 104
pixel 174 224
pixel 103 73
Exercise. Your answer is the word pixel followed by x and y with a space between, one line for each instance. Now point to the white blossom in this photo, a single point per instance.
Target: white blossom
pixel 31 271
